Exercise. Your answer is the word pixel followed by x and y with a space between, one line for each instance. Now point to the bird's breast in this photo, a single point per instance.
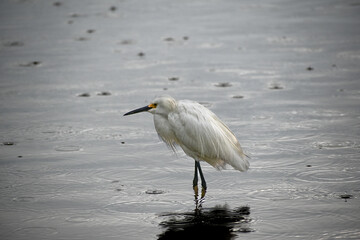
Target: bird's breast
pixel 164 129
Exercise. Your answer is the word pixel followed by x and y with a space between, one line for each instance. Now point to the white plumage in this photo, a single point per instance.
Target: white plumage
pixel 198 131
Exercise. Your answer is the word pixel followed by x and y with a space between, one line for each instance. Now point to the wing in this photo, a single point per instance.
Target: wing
pixel 203 136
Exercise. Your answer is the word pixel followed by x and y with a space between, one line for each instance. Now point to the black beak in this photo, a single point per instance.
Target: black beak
pixel 142 109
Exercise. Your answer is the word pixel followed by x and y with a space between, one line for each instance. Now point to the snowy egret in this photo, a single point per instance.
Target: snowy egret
pixel 199 132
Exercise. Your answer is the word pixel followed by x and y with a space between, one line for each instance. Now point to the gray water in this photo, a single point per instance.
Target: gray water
pixel 284 75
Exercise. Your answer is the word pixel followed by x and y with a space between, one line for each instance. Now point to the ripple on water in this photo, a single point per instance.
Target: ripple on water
pixel 24 199
pixel 79 219
pixel 154 191
pixel 344 234
pixel 69 148
pixel 336 144
pixel 330 175
pixel 35 232
pixel 286 191
pixel 140 206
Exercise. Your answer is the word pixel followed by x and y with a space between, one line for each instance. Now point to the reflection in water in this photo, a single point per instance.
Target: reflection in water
pixel 208 223
pixel 199 201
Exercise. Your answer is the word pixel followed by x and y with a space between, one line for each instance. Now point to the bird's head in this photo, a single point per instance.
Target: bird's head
pixel 160 105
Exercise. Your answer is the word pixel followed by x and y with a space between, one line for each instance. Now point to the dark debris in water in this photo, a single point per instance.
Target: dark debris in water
pixel 14 44
pixel 105 93
pixel 84 95
pixel 208 223
pixel 173 78
pixel 74 15
pixel 154 191
pixel 81 39
pixel 169 39
pixel 310 68
pixel 224 84
pixel 141 54
pixel 57 4
pixel 8 143
pixel 30 64
pixel 276 86
pixel 238 96
pixel 346 196
pixel 127 42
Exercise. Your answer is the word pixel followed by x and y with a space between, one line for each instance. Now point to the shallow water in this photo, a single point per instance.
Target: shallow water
pixel 283 76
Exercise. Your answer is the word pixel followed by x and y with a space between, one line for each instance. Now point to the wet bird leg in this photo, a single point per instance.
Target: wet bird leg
pixel 195 185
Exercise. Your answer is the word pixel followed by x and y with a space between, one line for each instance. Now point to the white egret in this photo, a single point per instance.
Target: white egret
pixel 199 132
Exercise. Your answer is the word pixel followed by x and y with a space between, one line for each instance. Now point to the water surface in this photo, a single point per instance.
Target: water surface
pixel 283 75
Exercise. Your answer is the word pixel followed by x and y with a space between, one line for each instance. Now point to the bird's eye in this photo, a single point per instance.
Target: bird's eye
pixel 153 105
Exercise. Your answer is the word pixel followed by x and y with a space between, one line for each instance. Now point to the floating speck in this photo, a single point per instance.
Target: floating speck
pixel 123 142
pixel 186 38
pixel 74 15
pixel 308 165
pixel 30 64
pixel 57 4
pixel 141 54
pixel 113 8
pixel 275 86
pixel 224 84
pixel 238 96
pixel 169 39
pixel 346 196
pixel 14 44
pixel 81 39
pixel 90 31
pixel 154 191
pixel 127 42
pixel 8 143
pixel 84 95
pixel 173 78
pixel 310 68
pixel 104 94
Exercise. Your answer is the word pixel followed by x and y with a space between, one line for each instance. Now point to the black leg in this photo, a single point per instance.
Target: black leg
pixel 195 185
pixel 203 182
pixel 199 202
pixel 195 181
